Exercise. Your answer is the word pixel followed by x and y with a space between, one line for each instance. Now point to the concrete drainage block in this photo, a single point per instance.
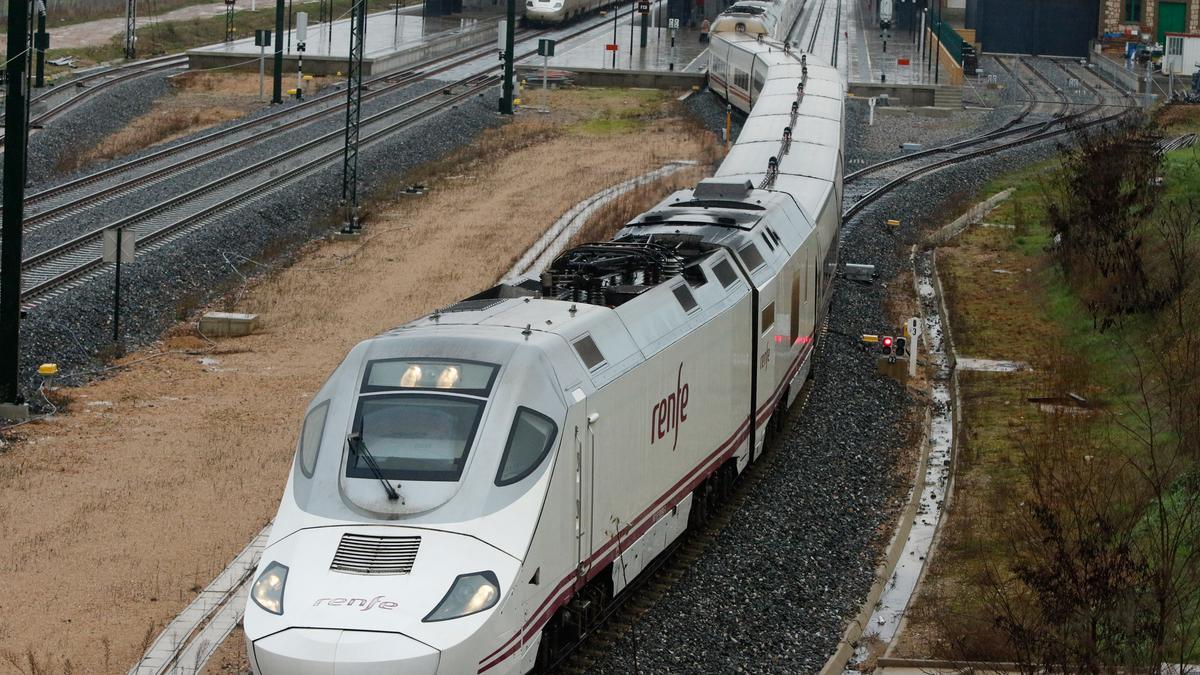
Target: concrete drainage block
pixel 228 324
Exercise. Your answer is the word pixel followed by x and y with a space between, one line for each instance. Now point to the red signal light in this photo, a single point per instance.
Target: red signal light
pixel 887 342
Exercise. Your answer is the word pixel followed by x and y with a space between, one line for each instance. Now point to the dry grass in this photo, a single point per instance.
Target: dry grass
pixel 613 216
pixel 115 515
pixel 197 101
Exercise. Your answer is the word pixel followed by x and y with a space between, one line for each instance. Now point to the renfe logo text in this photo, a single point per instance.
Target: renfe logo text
pixel 374 602
pixel 670 412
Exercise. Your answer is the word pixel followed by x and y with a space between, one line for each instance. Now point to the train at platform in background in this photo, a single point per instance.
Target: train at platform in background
pixel 542 12
pixel 768 18
pixel 472 490
pixel 887 12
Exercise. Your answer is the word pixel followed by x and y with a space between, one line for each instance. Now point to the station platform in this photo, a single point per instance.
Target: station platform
pixel 393 41
pixel 893 61
pixel 657 55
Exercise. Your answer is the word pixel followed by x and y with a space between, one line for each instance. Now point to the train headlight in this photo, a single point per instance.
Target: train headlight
pixel 469 594
pixel 268 588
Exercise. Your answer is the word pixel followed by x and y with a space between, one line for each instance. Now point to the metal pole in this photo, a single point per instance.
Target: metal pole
pixel 229 21
pixel 937 52
pixel 358 20
pixel 396 25
pixel 506 102
pixel 117 293
pixel 41 42
pixel 277 82
pixel 632 5
pixel 130 29
pixel 262 68
pixel 16 134
pixel 616 12
pixel 289 35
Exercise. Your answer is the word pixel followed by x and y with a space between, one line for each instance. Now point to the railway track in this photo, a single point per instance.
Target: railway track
pixel 103 79
pixel 59 267
pixel 891 173
pixel 72 197
pixel 56 267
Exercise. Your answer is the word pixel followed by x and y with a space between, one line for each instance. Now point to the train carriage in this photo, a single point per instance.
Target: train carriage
pixel 472 488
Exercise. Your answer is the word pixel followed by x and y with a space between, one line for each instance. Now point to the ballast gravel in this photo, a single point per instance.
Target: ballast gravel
pixel 774 591
pixel 82 127
pixel 157 290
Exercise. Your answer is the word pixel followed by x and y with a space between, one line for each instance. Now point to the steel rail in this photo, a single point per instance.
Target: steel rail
pixel 81 252
pixel 816 29
pixel 878 192
pixel 123 74
pixel 1007 129
pixel 393 81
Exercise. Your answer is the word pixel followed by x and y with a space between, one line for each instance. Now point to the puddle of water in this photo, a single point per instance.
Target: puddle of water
pixel 897 594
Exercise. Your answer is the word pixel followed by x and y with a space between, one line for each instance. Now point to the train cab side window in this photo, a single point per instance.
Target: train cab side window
pixel 758 82
pixel 741 79
pixel 768 318
pixel 684 295
pixel 589 352
pixel 310 438
pixel 528 444
pixel 751 256
pixel 724 273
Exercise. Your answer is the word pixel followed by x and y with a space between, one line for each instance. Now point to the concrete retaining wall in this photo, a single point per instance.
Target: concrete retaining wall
pixel 936 95
pixel 601 77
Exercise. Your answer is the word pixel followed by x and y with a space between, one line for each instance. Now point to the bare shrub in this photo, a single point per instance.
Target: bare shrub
pixel 1096 207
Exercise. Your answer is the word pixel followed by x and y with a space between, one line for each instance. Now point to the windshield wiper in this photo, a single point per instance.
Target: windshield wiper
pixel 360 448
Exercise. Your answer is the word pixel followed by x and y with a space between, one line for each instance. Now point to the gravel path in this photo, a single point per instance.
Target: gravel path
pixel 775 589
pixel 189 272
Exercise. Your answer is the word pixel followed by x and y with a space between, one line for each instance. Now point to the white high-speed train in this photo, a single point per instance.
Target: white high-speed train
pixel 473 488
pixel 558 11
pixel 769 18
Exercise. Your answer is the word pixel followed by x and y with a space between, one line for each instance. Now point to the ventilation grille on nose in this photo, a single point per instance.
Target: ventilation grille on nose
pixel 366 554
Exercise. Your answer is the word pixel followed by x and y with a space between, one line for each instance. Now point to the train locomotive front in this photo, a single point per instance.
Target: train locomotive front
pixel 416 489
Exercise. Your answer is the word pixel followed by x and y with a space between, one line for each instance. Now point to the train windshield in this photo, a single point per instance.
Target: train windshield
pixel 415 436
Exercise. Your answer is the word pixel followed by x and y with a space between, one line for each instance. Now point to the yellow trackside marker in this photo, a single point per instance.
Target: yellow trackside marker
pixel 872 339
pixel 893 222
pixel 48 369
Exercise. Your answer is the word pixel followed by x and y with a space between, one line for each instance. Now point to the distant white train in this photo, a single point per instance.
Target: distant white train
pixel 769 18
pixel 558 11
pixel 472 489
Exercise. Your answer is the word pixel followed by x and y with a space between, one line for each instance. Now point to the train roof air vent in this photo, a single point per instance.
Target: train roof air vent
pixel 473 305
pixel 714 188
pixel 369 554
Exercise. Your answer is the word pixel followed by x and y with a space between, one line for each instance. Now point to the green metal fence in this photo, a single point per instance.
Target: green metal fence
pixel 950 39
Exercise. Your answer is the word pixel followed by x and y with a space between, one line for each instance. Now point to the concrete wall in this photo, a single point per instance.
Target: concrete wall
pixel 927 95
pixel 600 77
